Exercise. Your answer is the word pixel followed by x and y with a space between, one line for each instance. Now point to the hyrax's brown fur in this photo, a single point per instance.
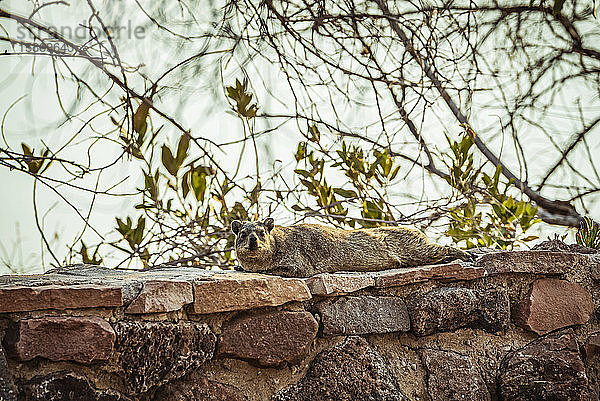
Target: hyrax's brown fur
pixel 307 249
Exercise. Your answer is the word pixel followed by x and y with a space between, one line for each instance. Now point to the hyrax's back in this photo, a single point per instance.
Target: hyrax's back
pixel 324 249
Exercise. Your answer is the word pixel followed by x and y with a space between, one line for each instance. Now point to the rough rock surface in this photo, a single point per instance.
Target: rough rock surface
pixel 272 339
pixel 64 386
pixel 548 368
pixel 61 338
pixel 8 392
pixel 363 315
pixel 350 371
pixel 239 291
pixel 557 245
pixel 201 389
pixel 162 296
pixel 451 376
pixel 15 298
pixel 552 304
pixel 333 284
pixel 533 262
pixel 447 309
pixel 445 272
pixel 152 353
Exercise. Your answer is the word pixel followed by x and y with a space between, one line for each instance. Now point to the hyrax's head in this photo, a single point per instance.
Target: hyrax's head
pixel 253 243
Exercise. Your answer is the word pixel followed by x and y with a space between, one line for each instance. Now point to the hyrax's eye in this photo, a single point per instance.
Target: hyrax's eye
pixel 243 234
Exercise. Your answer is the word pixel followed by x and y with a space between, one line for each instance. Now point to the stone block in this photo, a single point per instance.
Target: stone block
pixel 241 291
pixel 333 284
pixel 350 371
pixel 61 338
pixel 162 296
pixel 552 304
pixel 271 340
pixel 548 368
pixel 453 377
pixel 153 353
pixel 443 272
pixel 15 298
pixel 363 315
pixel 447 309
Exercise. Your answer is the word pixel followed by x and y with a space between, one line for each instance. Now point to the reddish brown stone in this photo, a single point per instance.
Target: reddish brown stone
pixel 548 368
pixel 240 291
pixel 445 272
pixel 552 304
pixel 272 339
pixel 62 338
pixel 22 299
pixel 534 262
pixel 162 296
pixel 333 284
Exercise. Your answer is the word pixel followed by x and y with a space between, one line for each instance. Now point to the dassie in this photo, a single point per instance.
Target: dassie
pixel 307 249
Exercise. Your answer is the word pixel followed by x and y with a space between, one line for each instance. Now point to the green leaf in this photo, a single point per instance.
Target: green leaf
pixel 169 161
pixel 139 118
pixel 182 148
pixel 346 193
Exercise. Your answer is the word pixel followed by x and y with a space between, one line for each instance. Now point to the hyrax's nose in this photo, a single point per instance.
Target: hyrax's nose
pixel 252 242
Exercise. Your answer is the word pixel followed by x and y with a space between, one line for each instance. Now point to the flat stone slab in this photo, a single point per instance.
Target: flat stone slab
pixel 21 299
pixel 453 377
pixel 240 291
pixel 552 304
pixel 269 340
pixel 363 315
pixel 62 338
pixel 446 272
pixel 548 368
pixel 162 296
pixel 447 309
pixel 334 284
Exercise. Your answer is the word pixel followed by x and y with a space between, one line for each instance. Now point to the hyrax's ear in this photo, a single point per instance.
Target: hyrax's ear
pixel 269 223
pixel 236 226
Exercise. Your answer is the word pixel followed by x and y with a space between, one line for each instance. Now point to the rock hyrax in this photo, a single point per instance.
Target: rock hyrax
pixel 307 249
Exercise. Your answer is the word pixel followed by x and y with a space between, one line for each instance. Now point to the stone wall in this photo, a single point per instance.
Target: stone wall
pixel 509 326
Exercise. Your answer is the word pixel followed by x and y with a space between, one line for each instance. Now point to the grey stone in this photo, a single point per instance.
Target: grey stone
pixel 447 309
pixel 65 386
pixel 152 353
pixel 364 315
pixel 453 377
pixel 333 284
pixel 350 371
pixel 533 262
pixel 548 368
